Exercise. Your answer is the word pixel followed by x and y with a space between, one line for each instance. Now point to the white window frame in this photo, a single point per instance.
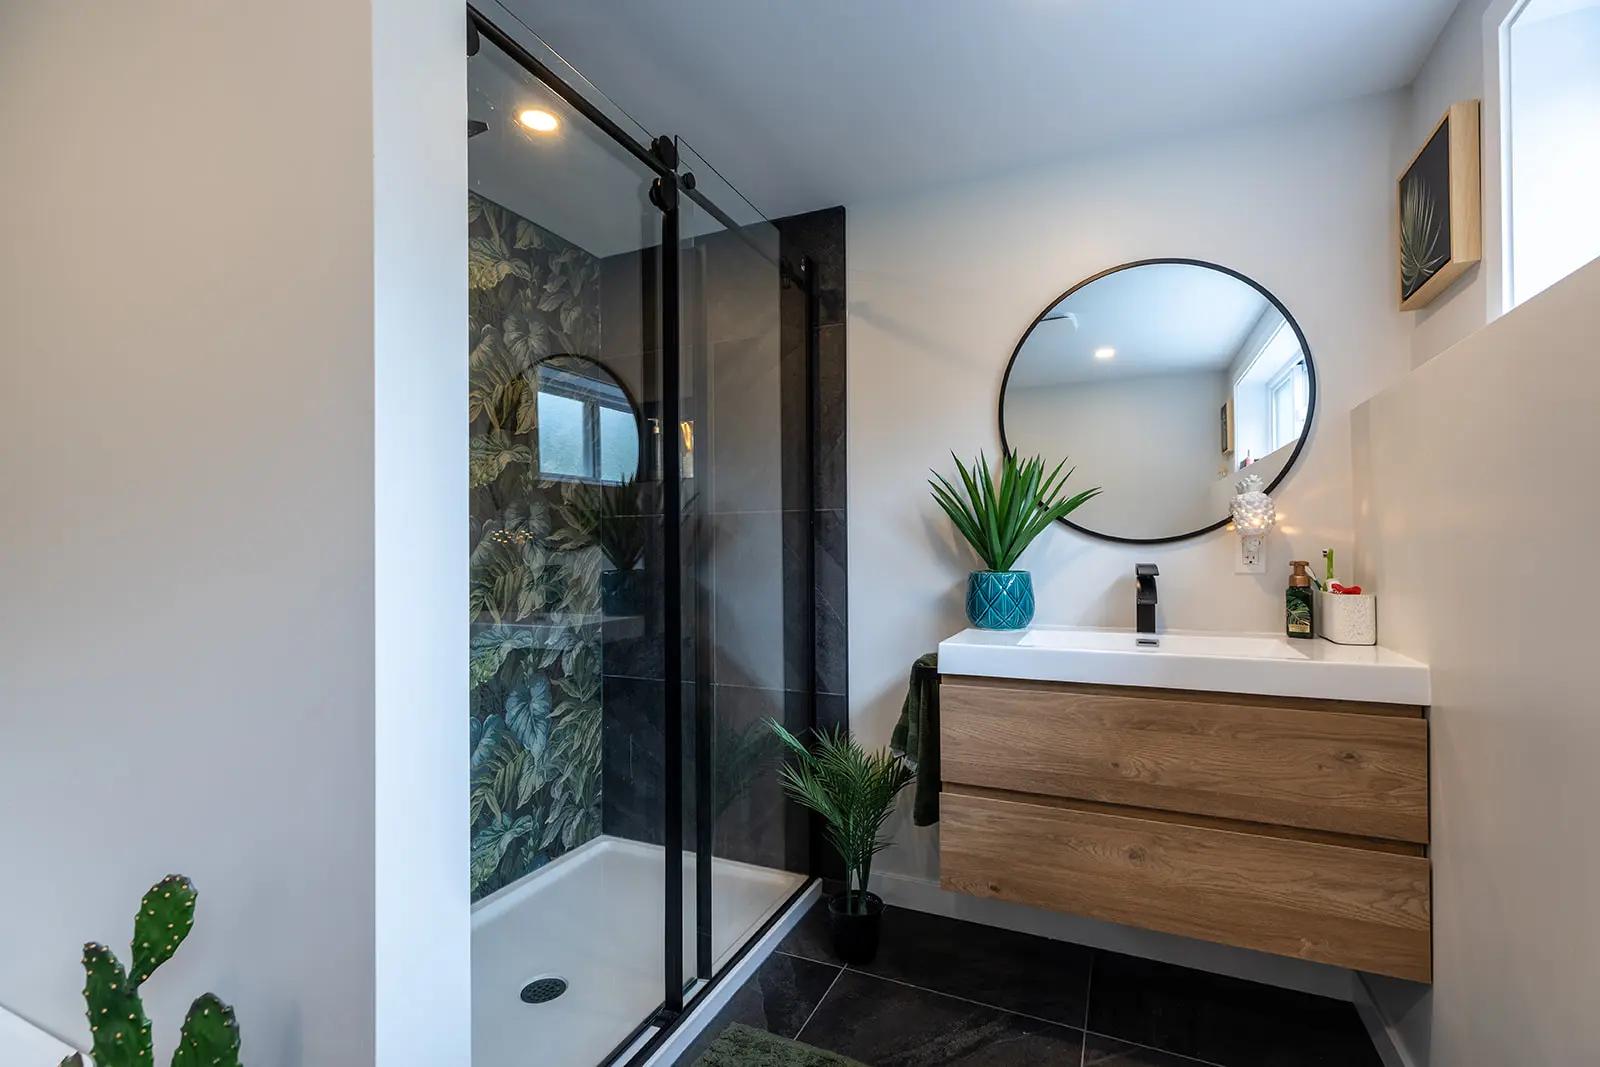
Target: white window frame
pixel 1283 379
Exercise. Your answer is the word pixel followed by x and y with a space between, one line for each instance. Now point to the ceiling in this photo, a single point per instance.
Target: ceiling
pixel 821 102
pixel 1164 318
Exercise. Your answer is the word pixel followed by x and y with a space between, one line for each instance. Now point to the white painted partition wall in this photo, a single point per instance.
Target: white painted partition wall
pixel 1478 505
pixel 232 481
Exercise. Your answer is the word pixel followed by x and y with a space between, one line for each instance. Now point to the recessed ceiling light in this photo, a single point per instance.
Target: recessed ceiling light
pixel 1104 353
pixel 538 120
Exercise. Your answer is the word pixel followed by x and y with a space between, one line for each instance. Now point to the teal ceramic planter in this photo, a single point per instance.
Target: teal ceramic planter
pixel 1000 600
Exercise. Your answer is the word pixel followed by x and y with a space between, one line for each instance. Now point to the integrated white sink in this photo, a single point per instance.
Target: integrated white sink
pixel 1266 664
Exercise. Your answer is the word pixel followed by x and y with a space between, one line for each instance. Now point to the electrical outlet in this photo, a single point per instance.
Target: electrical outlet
pixel 1251 556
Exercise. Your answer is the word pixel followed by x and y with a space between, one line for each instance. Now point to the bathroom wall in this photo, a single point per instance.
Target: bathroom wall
pixel 1480 557
pixel 535 571
pixel 1164 427
pixel 1453 71
pixel 231 549
pixel 943 285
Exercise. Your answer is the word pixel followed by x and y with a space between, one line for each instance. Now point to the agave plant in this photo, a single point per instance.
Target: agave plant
pixel 1000 522
pixel 1420 230
pixel 854 791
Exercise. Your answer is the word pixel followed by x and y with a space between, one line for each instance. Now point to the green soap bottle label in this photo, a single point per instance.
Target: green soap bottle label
pixel 1298 605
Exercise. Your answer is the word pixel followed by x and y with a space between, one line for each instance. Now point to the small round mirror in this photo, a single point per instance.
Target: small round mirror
pixel 589 428
pixel 1162 382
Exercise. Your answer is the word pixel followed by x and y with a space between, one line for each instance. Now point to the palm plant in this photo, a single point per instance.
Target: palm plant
pixel 1000 522
pixel 611 515
pixel 853 790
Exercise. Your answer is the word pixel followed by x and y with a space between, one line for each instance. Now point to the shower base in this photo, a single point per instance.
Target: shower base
pixel 595 918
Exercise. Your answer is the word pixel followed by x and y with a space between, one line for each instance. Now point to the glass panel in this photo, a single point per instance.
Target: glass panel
pixel 1554 119
pixel 567 868
pixel 745 444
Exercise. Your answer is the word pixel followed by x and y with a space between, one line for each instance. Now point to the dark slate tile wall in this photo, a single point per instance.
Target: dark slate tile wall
pixel 760 528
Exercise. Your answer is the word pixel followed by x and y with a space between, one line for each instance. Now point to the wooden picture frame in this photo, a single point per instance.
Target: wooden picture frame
pixel 1440 200
pixel 1226 427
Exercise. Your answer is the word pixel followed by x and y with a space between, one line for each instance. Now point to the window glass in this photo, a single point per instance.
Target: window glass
pixel 1552 142
pixel 561 438
pixel 619 445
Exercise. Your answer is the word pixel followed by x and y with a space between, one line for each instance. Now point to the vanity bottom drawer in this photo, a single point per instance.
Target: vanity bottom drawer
pixel 1363 908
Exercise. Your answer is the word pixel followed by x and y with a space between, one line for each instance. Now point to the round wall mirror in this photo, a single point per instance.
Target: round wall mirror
pixel 590 429
pixel 1163 382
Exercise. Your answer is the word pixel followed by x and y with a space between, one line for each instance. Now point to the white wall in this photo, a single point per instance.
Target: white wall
pixel 941 287
pixel 233 464
pixel 1153 443
pixel 1454 70
pixel 1480 559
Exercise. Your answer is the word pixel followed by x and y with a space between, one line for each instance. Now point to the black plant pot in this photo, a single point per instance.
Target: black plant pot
pixel 855 937
pixel 620 592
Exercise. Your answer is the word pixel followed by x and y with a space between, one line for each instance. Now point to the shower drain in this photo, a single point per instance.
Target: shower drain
pixel 543 990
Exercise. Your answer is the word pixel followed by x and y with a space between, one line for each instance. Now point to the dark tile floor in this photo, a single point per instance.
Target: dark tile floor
pixel 943 991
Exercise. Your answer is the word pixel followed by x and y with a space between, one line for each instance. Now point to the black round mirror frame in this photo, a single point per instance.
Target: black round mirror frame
pixel 640 472
pixel 1311 383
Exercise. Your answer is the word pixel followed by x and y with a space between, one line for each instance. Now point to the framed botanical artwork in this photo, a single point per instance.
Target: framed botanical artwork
pixel 1227 426
pixel 1441 208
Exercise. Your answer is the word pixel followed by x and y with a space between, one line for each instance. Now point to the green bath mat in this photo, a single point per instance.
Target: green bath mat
pixel 745 1046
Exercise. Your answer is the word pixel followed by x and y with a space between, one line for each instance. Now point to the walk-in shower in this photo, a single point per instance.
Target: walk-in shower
pixel 641 406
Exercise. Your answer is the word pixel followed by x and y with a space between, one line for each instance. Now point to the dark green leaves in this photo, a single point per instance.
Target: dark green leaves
pixel 166 915
pixel 1001 522
pixel 852 789
pixel 210 1035
pixel 116 1013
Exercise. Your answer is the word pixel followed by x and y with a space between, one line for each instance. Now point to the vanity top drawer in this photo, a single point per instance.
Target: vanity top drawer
pixel 1303 896
pixel 1359 769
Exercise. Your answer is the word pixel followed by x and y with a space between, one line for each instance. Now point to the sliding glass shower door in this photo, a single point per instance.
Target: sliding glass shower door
pixel 746 477
pixel 639 418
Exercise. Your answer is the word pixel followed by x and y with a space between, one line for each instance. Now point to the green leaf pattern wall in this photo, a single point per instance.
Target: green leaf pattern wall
pixel 534 600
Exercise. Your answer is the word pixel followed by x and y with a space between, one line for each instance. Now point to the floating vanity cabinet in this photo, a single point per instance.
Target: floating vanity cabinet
pixel 1291 825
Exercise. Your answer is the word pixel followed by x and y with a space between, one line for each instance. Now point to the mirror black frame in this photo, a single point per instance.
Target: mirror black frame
pixel 641 472
pixel 1305 347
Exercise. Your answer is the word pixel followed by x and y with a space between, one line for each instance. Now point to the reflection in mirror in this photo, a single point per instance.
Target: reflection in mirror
pixel 1160 381
pixel 588 426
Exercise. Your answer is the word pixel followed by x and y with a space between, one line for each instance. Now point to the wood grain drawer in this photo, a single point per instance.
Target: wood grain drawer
pixel 1348 768
pixel 1362 908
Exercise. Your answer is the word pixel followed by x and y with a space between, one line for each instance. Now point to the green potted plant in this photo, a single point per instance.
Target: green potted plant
pixel 854 791
pixel 612 514
pixel 999 522
pixel 210 1035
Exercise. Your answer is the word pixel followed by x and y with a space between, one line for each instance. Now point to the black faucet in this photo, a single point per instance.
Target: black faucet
pixel 1145 602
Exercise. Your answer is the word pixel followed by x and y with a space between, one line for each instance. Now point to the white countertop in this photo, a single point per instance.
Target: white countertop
pixel 1266 664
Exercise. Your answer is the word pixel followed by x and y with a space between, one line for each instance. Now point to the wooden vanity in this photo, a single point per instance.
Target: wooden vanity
pixel 1287 824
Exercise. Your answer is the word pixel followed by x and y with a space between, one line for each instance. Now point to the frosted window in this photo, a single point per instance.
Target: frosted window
pixel 1553 142
pixel 562 450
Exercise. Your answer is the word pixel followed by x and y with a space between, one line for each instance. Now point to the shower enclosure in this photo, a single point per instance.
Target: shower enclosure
pixel 641 409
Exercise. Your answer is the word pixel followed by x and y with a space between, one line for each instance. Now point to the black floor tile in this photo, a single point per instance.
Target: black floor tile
pixel 1221 1019
pixel 1017 972
pixel 888 1024
pixel 1109 1052
pixel 778 998
pixel 811 938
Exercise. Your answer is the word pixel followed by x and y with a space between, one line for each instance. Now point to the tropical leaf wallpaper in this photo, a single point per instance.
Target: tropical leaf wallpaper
pixel 535 569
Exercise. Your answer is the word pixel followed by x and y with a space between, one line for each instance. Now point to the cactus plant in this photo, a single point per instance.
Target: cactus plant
pixel 117 1020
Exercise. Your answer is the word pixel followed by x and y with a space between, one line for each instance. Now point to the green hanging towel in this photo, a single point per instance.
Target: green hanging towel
pixel 916 737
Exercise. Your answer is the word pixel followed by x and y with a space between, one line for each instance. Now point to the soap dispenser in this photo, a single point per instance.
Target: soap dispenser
pixel 1299 603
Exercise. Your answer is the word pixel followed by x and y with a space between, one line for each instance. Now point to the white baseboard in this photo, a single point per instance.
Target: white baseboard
pixel 707 1006
pixel 922 894
pixel 1391 1050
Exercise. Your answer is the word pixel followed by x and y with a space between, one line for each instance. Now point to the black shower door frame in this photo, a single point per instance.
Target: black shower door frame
pixel 661 157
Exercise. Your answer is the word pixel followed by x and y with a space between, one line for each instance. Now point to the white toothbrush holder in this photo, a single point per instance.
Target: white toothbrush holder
pixel 1348 619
